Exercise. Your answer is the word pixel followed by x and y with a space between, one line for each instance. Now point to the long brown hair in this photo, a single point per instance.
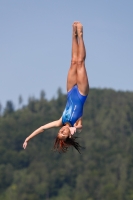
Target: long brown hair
pixel 63 145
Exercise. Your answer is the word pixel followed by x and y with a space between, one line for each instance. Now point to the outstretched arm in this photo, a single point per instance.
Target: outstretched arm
pixel 56 123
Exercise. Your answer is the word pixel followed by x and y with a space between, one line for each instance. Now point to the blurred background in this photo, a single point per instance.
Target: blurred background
pixel 35 54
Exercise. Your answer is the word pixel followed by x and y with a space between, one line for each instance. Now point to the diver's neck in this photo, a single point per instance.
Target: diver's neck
pixel 68 124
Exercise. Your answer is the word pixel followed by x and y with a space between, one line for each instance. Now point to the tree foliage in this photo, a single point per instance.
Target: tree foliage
pixel 103 171
pixel 9 108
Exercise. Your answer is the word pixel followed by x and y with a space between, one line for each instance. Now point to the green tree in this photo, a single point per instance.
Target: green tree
pixel 9 108
pixel 20 100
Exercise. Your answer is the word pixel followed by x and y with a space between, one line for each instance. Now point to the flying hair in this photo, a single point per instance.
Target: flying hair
pixel 63 145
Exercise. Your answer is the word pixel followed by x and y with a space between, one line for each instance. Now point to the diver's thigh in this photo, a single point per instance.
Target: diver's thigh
pixel 82 79
pixel 72 76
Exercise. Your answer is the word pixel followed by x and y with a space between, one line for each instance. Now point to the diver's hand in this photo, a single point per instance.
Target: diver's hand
pixel 72 130
pixel 25 144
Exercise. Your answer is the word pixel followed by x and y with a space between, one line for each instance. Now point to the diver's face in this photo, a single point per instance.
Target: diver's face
pixel 64 132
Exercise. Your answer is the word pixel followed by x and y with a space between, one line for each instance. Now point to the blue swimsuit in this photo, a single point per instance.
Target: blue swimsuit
pixel 74 106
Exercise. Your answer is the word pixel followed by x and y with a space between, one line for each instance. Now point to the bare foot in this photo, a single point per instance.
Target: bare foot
pixel 75 28
pixel 79 29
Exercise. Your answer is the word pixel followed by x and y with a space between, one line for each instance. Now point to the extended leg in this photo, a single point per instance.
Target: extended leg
pixel 72 73
pixel 82 79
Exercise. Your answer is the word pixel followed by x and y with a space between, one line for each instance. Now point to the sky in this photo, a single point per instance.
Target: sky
pixel 35 45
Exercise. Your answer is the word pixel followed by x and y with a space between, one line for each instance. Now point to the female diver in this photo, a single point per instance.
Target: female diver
pixel 77 92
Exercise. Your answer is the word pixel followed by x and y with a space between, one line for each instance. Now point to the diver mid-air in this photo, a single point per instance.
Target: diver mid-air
pixel 77 92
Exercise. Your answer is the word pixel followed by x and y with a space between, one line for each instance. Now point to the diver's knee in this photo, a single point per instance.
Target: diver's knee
pixel 74 61
pixel 80 62
pixel 81 59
